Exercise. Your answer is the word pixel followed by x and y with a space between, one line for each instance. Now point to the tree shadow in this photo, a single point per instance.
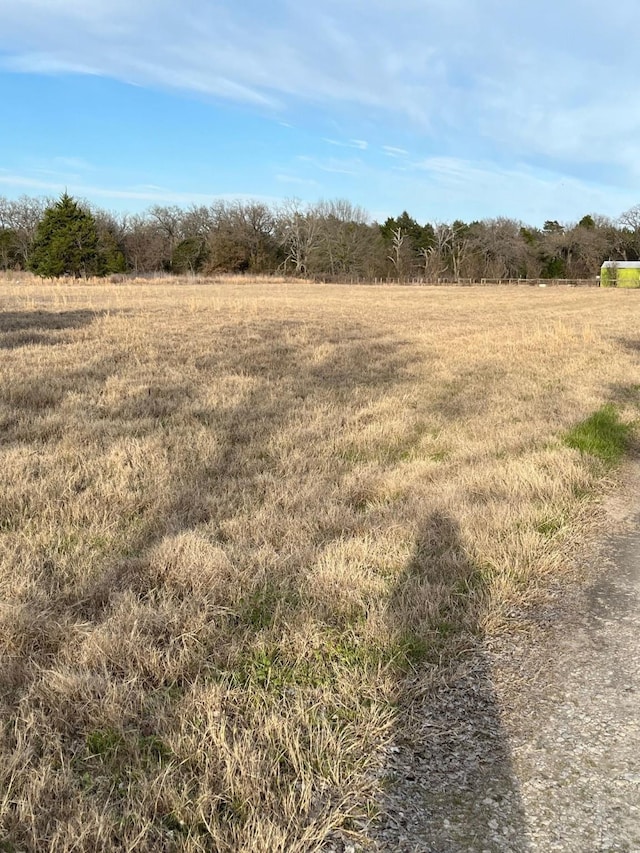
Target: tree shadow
pixel 630 344
pixel 627 392
pixel 627 395
pixel 451 784
pixel 457 760
pixel 41 328
pixel 32 403
pixel 238 468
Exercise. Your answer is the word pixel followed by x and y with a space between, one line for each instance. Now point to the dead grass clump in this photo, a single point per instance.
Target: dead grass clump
pixel 237 516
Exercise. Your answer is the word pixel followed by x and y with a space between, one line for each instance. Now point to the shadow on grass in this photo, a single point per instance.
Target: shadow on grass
pixel 456 761
pixel 40 328
pixel 627 393
pixel 632 344
pixel 451 784
pixel 281 374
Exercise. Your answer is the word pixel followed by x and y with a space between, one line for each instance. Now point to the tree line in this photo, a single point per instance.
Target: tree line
pixel 326 239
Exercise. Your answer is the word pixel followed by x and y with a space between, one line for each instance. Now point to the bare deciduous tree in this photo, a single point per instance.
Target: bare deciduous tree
pixel 298 227
pixel 22 216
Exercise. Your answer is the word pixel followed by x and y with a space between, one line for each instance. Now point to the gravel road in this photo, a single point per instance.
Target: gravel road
pixel 534 744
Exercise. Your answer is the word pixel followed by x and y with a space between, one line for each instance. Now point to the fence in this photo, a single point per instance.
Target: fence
pixel 460 282
pixel 121 278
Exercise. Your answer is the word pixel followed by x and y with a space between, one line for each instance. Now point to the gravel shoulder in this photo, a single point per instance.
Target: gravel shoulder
pixel 534 743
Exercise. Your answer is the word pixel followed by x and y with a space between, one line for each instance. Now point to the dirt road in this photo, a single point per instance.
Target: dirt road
pixel 534 745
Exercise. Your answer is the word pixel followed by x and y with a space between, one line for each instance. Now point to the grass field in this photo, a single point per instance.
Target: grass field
pixel 236 520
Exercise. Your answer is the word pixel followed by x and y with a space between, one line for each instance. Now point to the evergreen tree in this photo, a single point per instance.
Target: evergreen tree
pixel 66 242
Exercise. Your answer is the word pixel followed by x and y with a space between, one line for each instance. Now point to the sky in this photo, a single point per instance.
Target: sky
pixel 449 109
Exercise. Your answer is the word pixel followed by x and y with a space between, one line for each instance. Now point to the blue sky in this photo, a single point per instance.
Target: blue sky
pixel 446 108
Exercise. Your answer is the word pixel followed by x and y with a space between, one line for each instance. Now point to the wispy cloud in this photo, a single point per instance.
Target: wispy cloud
pixel 485 189
pixel 335 165
pixel 490 70
pixel 284 178
pixel 359 144
pixel 49 173
pixel 42 63
pixel 392 151
pixel 149 193
pixel 467 81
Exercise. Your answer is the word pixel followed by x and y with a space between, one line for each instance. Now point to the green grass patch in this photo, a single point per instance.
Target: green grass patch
pixel 409 651
pixel 118 752
pixel 104 742
pixel 602 435
pixel 273 670
pixel 260 607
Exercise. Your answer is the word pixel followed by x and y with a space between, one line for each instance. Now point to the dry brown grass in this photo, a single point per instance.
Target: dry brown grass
pixel 233 517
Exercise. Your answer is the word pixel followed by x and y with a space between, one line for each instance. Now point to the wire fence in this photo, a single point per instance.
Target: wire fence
pixel 18 276
pixel 461 282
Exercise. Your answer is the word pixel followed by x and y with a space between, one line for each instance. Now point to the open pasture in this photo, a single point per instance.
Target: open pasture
pixel 237 521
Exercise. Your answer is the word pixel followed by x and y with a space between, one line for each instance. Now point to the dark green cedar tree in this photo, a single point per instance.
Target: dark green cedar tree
pixel 66 242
